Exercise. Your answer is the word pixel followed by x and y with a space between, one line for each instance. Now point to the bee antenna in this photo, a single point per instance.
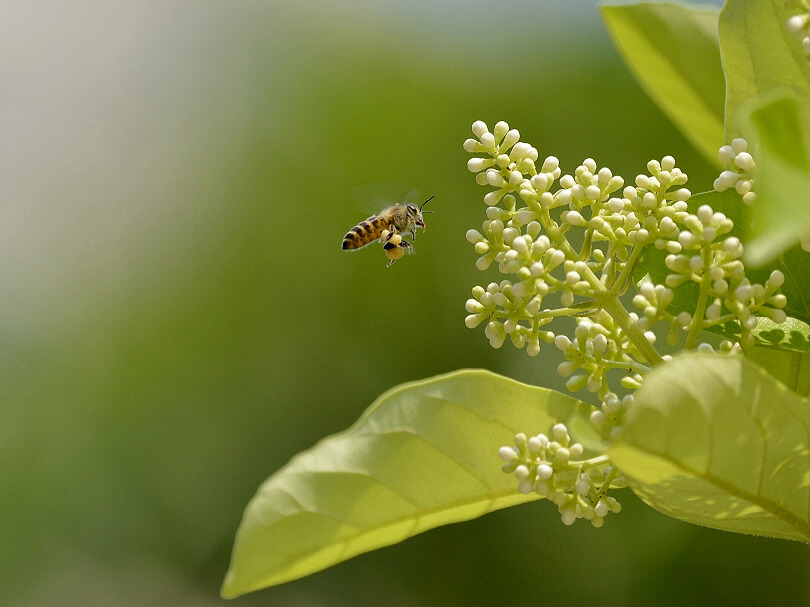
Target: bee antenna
pixel 424 203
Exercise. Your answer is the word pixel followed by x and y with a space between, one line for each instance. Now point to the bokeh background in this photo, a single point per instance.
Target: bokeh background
pixel 177 318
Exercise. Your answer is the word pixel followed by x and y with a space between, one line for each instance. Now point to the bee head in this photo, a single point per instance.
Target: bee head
pixel 417 213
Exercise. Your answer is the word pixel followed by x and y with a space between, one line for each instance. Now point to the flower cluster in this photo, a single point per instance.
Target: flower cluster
pixel 577 238
pixel 612 412
pixel 800 25
pixel 600 344
pixel 549 466
pixel 740 170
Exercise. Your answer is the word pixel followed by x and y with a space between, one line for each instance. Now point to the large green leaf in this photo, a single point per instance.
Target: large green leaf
pixel 759 54
pixel 780 126
pixel 423 455
pixel 718 442
pixel 674 54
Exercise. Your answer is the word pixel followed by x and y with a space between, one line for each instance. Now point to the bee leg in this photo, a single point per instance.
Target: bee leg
pixel 396 248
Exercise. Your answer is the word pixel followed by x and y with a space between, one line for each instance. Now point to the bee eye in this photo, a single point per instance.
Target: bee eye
pixel 412 209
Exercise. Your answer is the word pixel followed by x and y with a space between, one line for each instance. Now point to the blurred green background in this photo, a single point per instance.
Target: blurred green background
pixel 178 319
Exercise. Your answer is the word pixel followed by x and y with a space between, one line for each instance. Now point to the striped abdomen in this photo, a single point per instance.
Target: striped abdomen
pixel 364 233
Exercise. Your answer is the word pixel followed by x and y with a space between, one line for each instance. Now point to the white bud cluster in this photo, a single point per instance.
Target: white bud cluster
pixel 529 242
pixel 731 295
pixel 550 467
pixel 612 412
pixel 530 213
pixel 598 345
pixel 740 172
pixel 504 310
pixel 799 25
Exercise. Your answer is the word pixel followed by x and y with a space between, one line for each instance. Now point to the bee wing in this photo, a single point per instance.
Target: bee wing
pixel 412 197
pixel 373 197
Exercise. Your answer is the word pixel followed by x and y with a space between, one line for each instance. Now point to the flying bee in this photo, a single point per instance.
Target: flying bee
pixel 396 220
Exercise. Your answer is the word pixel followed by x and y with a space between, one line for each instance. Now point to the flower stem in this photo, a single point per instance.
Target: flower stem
pixel 613 306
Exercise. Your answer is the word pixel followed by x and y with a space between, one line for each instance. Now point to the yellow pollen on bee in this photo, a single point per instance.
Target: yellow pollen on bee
pixel 395 253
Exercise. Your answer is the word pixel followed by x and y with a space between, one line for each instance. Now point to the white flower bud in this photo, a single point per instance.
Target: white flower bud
pixel 598 418
pixel 494 178
pixel 471 145
pixel 526 487
pixel 561 456
pixel 560 432
pixel 566 368
pixel 510 139
pixel 500 129
pixel 745 161
pixel 474 236
pixel 544 472
pixel 473 306
pixel 473 320
pixel 726 154
pixel 743 292
pixel 479 128
pixel 575 218
pixel 599 343
pixel 739 145
pixel 568 516
pixel 503 160
pixel 550 164
pixel 492 198
pixel 508 454
pixel 520 150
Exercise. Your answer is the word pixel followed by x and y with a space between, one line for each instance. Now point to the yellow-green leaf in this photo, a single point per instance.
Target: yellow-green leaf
pixel 718 442
pixel 759 54
pixel 673 52
pixel 423 455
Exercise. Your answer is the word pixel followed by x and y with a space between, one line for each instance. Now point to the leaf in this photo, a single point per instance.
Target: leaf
pixel 673 52
pixel 784 352
pixel 780 125
pixel 789 367
pixel 759 54
pixel 423 455
pixel 716 441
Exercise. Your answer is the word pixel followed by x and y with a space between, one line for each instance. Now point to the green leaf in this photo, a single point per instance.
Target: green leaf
pixel 759 54
pixel 784 352
pixel 423 455
pixel 781 215
pixel 716 441
pixel 673 52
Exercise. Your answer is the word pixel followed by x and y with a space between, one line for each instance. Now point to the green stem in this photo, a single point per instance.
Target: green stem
pixel 629 265
pixel 613 306
pixel 624 364
pixel 700 311
pixel 606 485
pixel 593 462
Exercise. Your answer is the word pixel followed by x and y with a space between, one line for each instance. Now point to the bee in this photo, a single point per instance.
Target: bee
pixel 388 225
